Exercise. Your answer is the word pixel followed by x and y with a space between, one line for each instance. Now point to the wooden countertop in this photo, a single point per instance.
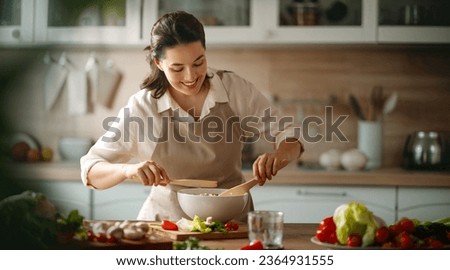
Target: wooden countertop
pixel 291 175
pixel 296 236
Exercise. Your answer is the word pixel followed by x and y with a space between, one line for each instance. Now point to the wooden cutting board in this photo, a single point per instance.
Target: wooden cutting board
pixel 155 227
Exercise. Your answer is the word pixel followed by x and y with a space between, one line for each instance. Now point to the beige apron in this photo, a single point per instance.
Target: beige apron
pixel 195 160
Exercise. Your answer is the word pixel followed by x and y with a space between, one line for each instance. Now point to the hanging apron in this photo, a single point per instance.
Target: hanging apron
pixel 195 158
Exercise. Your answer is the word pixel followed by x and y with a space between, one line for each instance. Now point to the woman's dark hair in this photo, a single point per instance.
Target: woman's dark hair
pixel 171 29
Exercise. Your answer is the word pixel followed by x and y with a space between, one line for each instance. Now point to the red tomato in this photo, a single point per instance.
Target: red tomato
pixel 231 226
pixel 90 236
pixel 406 241
pixel 382 235
pixel 435 244
pixel 321 235
pixel 111 239
pixel 395 229
pixel 327 224
pixel 354 240
pixel 101 238
pixel 332 238
pixel 255 245
pixel 169 225
pixel 407 225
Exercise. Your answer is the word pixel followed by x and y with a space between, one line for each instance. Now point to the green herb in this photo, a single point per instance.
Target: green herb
pixel 192 243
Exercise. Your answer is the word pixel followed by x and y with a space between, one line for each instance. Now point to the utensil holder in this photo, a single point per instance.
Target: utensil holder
pixel 370 141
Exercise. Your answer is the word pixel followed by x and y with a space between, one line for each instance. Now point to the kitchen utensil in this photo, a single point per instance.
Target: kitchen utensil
pixel 424 150
pixel 240 189
pixel 390 103
pixel 356 107
pixel 370 142
pixel 196 183
pixel 376 103
pixel 204 203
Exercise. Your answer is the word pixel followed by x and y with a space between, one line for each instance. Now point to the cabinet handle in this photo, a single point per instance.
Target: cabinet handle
pixel 302 192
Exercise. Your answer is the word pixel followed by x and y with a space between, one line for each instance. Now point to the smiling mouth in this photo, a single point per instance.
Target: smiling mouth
pixel 190 84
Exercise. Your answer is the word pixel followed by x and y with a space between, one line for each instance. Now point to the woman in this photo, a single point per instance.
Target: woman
pixel 188 121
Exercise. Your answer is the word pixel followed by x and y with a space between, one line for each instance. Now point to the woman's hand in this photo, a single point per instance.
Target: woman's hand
pixel 148 172
pixel 268 164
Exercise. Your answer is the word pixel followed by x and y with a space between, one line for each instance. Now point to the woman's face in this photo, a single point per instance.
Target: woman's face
pixel 185 67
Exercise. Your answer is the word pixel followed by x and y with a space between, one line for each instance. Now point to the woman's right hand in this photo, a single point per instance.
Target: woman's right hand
pixel 147 172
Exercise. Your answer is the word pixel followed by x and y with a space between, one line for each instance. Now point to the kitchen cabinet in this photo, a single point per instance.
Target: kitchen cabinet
pixel 310 204
pixel 65 195
pixel 423 203
pixel 120 202
pixel 228 22
pixel 225 21
pixel 87 22
pixel 16 21
pixel 413 21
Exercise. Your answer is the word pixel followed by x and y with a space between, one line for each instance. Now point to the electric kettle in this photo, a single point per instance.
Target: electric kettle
pixel 425 150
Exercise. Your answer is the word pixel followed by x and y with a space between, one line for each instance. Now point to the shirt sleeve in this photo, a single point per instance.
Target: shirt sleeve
pixel 123 140
pixel 258 114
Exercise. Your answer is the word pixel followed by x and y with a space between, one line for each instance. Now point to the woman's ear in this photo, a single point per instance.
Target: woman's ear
pixel 158 64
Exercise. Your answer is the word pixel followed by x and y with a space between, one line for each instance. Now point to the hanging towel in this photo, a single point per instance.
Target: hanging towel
pixel 54 83
pixel 77 88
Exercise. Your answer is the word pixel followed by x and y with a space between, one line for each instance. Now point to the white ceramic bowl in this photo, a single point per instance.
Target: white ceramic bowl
pixel 73 148
pixel 219 208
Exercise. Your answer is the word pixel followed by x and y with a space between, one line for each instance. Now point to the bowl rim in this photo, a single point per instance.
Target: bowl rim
pixel 185 191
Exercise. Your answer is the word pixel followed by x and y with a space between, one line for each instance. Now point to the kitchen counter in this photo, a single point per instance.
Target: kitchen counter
pixel 291 175
pixel 297 236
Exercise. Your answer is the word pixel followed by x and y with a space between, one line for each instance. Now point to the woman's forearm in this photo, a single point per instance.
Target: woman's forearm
pixel 104 175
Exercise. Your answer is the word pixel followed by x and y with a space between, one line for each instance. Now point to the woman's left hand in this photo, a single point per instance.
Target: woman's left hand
pixel 267 165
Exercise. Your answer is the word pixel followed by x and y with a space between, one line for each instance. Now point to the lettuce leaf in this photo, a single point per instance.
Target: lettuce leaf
pixel 200 226
pixel 355 217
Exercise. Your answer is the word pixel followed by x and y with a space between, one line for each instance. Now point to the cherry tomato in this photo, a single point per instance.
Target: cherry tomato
pixel 111 239
pixel 407 225
pixel 90 236
pixel 406 241
pixel 231 226
pixel 354 240
pixel 255 245
pixel 101 238
pixel 395 229
pixel 435 244
pixel 169 225
pixel 382 235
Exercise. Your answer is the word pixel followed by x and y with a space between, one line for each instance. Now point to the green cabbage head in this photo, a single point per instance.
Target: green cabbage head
pixel 355 217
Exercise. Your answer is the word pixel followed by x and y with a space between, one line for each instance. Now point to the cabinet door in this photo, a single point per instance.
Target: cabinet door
pixel 310 204
pixel 325 21
pixel 225 21
pixel 414 21
pixel 16 21
pixel 120 202
pixel 425 204
pixel 65 195
pixel 98 22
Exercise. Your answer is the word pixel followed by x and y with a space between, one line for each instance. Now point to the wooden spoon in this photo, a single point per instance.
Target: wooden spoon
pixel 189 182
pixel 240 189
